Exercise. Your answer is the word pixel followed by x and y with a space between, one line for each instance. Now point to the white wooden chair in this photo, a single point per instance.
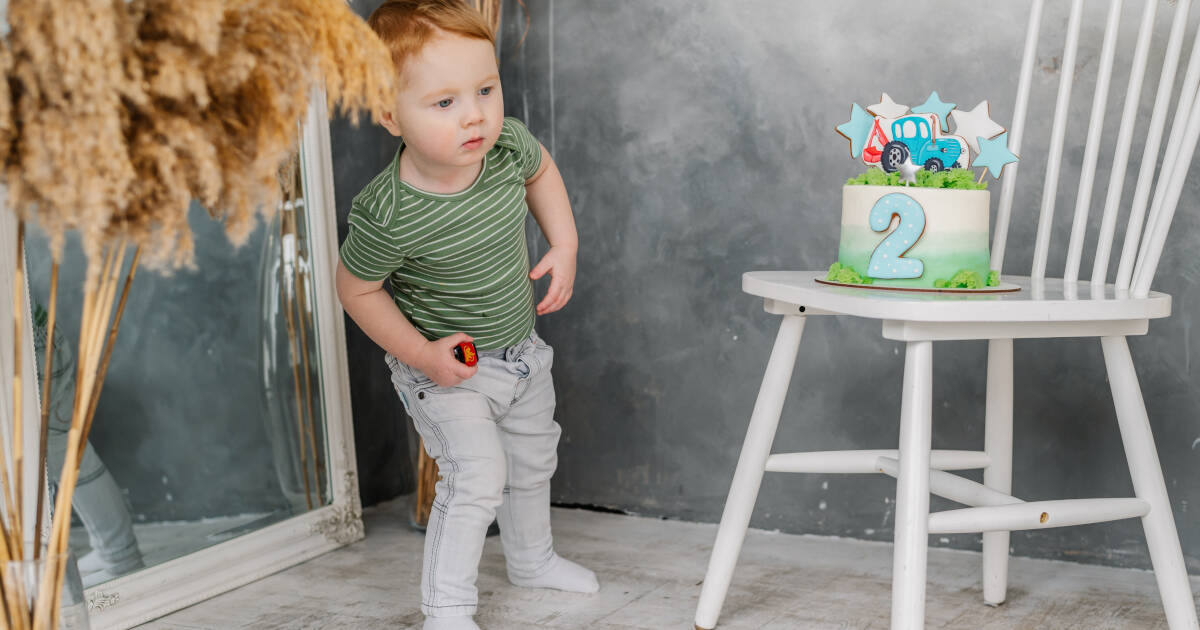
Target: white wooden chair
pixel 1043 308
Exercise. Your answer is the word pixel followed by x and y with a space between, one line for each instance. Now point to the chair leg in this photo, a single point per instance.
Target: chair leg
pixel 997 442
pixel 912 489
pixel 750 467
pixel 1161 537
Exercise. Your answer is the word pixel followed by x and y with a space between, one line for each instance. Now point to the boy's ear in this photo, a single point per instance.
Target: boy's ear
pixel 390 124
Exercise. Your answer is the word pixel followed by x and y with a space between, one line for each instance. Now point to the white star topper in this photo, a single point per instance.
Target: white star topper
pixel 908 172
pixel 888 108
pixel 974 124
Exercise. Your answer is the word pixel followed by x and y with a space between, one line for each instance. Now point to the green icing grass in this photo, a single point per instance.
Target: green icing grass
pixel 967 279
pixel 846 275
pixel 964 279
pixel 955 179
pixel 961 280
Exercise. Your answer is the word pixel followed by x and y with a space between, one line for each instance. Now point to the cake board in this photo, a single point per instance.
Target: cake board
pixel 1003 287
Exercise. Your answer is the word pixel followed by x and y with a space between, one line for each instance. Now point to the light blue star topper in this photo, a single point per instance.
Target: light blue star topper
pixel 994 154
pixel 857 129
pixel 934 105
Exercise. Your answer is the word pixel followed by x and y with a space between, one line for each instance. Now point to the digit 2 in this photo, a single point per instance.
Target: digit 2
pixel 888 261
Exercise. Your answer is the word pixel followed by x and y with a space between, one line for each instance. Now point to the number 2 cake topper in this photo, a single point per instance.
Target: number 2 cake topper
pixel 899 139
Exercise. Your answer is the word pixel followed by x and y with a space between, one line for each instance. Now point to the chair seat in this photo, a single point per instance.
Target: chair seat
pixel 1049 300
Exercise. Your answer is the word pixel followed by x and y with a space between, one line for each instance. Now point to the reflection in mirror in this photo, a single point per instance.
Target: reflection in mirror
pixel 210 422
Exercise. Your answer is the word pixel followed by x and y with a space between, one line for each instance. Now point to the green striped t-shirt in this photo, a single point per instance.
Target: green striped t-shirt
pixel 457 262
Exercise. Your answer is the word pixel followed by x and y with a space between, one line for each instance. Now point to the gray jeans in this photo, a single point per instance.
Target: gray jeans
pixel 495 442
pixel 98 500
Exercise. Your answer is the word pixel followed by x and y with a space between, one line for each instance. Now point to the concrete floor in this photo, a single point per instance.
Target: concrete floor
pixel 650 571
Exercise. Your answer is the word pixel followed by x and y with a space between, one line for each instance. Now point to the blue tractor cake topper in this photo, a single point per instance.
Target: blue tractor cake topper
pixel 915 138
pixel 898 139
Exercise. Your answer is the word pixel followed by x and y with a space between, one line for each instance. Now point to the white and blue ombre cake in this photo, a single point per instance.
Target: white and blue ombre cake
pixel 912 237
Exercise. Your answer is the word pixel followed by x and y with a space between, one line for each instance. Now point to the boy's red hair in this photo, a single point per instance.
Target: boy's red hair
pixel 405 26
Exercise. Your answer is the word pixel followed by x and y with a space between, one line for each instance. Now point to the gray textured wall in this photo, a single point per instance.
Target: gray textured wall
pixel 697 142
pixel 385 447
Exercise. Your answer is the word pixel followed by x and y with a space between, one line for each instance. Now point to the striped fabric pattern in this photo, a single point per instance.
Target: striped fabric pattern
pixel 457 262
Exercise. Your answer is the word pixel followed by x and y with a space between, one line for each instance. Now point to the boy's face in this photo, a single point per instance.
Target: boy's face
pixel 450 107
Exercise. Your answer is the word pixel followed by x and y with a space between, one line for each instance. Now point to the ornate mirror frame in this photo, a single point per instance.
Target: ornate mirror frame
pixel 158 590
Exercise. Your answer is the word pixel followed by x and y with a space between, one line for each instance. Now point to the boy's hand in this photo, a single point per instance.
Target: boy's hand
pixel 436 360
pixel 560 262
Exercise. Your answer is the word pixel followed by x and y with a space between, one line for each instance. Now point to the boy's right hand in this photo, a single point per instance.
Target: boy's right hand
pixel 436 360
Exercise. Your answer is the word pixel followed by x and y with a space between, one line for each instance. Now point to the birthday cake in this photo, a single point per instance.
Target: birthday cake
pixel 918 218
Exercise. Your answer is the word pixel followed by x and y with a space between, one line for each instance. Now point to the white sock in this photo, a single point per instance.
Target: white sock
pixel 462 622
pixel 562 575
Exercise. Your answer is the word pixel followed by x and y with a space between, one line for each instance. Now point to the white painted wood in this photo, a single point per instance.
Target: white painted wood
pixel 1142 456
pixel 1161 216
pixel 1091 151
pixel 1035 515
pixel 1158 121
pixel 747 478
pixel 1047 308
pixel 158 590
pixel 1008 184
pixel 1116 182
pixel 912 489
pixel 953 487
pixel 1058 132
pixel 865 461
pixel 998 444
pixel 958 331
pixel 317 162
pixel 1171 165
pixel 775 307
pixel 1048 301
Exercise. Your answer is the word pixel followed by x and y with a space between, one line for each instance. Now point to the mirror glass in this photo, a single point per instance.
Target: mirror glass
pixel 210 421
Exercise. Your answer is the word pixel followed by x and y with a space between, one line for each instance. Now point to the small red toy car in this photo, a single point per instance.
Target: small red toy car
pixel 465 353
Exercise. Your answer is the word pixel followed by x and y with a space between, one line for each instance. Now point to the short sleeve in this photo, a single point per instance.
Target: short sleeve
pixel 515 136
pixel 369 251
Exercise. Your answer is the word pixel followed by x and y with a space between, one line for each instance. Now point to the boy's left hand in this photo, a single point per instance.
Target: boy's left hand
pixel 560 262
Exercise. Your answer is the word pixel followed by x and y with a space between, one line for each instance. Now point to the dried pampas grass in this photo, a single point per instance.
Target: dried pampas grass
pixel 67 155
pixel 116 115
pixel 122 113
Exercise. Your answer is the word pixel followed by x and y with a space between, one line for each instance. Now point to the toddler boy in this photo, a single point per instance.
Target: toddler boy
pixel 444 225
